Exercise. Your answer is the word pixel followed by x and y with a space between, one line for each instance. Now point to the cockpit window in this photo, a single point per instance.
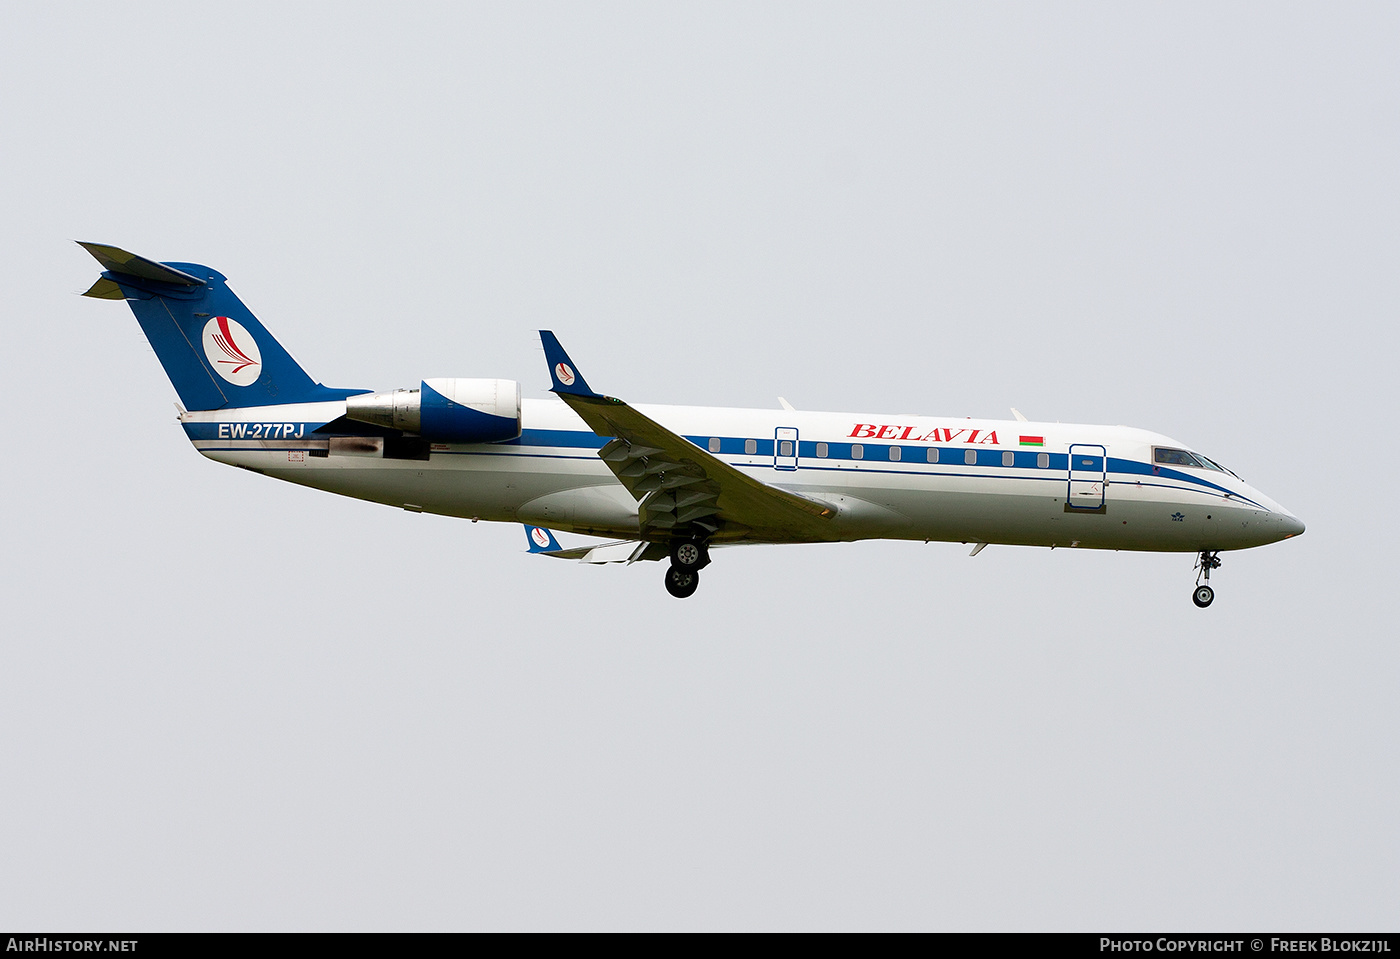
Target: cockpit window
pixel 1171 457
pixel 1216 466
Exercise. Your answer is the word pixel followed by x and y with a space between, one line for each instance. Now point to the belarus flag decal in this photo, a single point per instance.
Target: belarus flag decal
pixel 1032 441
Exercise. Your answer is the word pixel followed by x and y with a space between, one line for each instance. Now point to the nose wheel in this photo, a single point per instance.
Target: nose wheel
pixel 1203 595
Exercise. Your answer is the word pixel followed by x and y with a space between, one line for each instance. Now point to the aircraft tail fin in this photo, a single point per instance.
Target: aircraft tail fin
pixel 215 351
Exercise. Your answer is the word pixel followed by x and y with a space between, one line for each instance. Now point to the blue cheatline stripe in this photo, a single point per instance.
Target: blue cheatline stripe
pixel 576 439
pixel 523 456
pixel 947 455
pixel 911 459
pixel 1022 459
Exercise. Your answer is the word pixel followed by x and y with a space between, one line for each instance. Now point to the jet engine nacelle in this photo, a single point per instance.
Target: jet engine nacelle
pixel 445 410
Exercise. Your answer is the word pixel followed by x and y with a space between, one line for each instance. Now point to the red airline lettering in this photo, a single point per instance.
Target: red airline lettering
pixel 886 431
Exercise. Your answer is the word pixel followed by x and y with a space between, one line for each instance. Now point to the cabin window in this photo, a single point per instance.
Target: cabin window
pixel 751 446
pixel 933 454
pixel 1170 457
pixel 714 444
pixel 1008 458
pixel 857 451
pixel 1042 460
pixel 785 447
pixel 970 457
pixel 821 450
pixel 896 454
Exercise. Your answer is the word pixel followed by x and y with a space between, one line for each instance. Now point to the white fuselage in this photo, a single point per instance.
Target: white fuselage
pixel 985 481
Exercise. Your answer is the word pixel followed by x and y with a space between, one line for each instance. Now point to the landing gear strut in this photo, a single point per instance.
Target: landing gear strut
pixel 688 557
pixel 1207 561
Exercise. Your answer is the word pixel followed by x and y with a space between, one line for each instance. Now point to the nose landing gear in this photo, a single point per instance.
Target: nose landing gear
pixel 1203 595
pixel 688 557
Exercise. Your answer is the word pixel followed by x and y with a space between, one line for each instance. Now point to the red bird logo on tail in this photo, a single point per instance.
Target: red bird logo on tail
pixel 232 351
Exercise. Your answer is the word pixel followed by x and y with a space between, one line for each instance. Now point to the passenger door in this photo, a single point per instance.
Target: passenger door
pixel 1088 478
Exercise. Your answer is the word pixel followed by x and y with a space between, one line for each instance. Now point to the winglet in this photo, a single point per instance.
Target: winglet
pixel 562 370
pixel 541 540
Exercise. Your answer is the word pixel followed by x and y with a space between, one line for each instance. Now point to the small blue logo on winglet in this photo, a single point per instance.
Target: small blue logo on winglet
pixel 541 540
pixel 562 370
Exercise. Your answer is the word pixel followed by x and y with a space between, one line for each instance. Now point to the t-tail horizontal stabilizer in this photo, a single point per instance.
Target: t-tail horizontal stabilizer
pixel 119 261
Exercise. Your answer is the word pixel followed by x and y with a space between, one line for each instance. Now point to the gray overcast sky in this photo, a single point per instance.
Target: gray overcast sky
pixel 231 703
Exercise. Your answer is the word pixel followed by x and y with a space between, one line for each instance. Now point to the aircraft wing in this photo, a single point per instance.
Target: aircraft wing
pixel 542 542
pixel 680 487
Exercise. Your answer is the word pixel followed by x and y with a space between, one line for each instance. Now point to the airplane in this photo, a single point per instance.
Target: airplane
pixel 673 482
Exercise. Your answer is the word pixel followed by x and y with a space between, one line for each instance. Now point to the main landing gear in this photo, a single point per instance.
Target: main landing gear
pixel 688 557
pixel 1207 561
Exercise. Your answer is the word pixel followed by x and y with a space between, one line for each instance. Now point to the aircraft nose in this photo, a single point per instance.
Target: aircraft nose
pixel 1292 526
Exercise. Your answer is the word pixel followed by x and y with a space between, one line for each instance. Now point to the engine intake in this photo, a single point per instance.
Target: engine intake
pixel 445 410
